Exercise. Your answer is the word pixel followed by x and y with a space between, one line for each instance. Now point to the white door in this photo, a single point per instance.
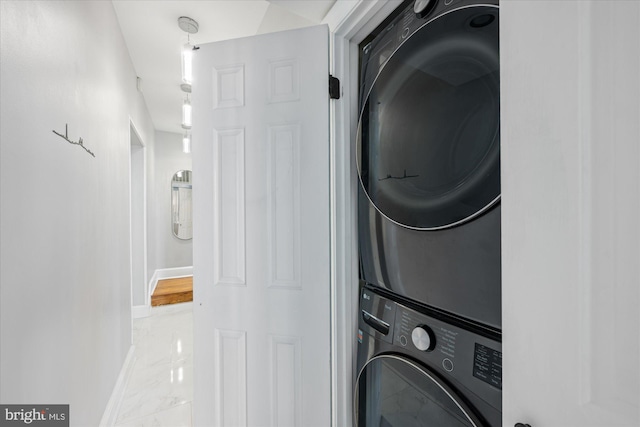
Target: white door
pixel 261 224
pixel 571 212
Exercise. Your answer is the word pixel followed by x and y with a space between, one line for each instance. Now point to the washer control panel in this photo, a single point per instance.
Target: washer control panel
pixel 426 334
pixel 456 353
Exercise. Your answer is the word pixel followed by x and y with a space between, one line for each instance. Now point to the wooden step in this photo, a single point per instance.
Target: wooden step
pixel 172 291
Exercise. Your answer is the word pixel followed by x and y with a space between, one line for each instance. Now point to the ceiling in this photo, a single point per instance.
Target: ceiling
pixel 154 40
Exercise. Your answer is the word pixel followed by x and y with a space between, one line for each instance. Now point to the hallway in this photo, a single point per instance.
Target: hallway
pixel 160 389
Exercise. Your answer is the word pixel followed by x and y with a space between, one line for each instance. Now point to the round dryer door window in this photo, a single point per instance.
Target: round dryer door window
pixel 428 146
pixel 393 391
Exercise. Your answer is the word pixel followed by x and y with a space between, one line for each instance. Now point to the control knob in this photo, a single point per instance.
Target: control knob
pixel 423 338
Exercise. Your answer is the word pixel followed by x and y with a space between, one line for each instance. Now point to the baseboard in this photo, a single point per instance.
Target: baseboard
pixel 167 273
pixel 170 273
pixel 140 311
pixel 152 286
pixel 110 415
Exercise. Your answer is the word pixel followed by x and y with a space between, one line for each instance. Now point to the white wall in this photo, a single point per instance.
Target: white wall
pixel 276 18
pixel 170 252
pixel 65 297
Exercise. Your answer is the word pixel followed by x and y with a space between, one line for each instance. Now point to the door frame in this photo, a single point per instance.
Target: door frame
pixel 349 24
pixel 138 311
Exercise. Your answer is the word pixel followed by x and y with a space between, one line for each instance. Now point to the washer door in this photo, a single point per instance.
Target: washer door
pixel 395 392
pixel 428 143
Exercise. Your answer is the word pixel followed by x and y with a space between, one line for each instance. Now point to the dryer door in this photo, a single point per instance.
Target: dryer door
pixel 428 144
pixel 392 391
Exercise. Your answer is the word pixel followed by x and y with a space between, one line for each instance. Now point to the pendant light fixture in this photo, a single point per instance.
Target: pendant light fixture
pixel 187 64
pixel 186 113
pixel 189 26
pixel 186 143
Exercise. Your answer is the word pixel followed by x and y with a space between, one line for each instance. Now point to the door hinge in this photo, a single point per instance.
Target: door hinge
pixel 334 87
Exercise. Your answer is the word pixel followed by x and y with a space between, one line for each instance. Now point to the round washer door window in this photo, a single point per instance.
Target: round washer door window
pixel 428 144
pixel 393 391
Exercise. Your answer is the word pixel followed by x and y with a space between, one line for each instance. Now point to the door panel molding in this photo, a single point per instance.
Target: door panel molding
pixel 229 199
pixel 284 81
pixel 228 86
pixel 231 370
pixel 286 380
pixel 284 205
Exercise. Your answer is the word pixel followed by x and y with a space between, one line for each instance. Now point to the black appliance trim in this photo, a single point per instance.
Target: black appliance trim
pixel 461 322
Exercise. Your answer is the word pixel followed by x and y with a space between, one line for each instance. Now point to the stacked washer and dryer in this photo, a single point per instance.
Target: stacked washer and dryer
pixel 428 158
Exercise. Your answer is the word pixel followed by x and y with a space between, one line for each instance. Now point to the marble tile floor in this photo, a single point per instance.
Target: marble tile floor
pixel 159 392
